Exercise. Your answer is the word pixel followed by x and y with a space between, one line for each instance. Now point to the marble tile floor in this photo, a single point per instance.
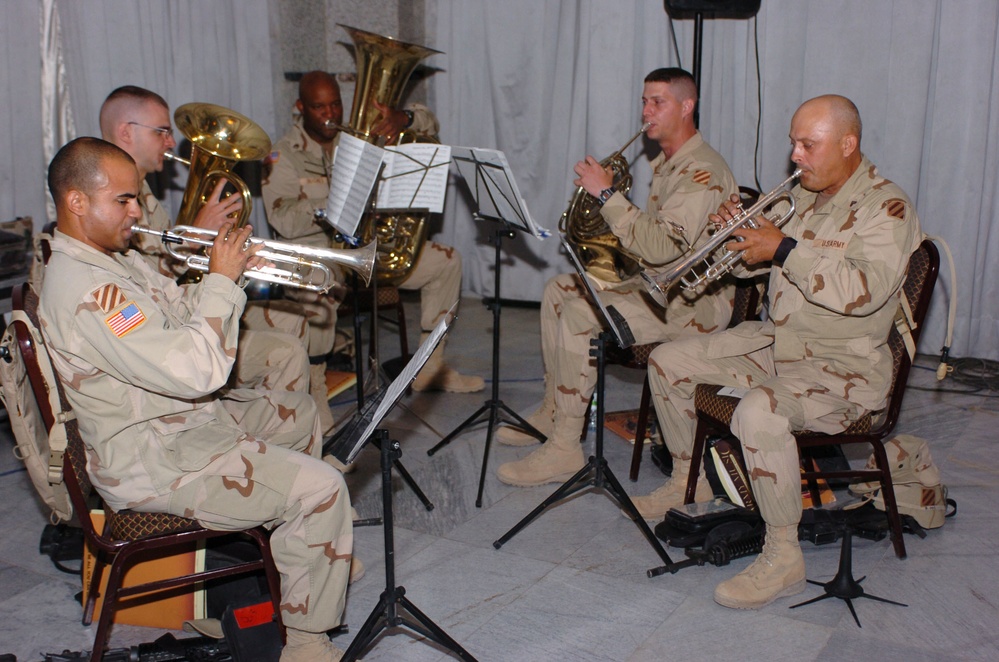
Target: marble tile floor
pixel 572 585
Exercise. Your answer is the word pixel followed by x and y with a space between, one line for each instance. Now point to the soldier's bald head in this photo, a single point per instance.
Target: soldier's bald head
pixel 841 113
pixel 313 81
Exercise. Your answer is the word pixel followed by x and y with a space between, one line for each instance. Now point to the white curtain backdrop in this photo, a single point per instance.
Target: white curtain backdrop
pixel 547 82
pixel 550 81
pixel 216 52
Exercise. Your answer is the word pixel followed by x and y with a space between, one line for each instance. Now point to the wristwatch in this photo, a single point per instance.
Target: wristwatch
pixel 409 118
pixel 606 194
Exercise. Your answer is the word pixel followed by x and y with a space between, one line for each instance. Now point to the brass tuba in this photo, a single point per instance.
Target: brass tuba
pixel 384 66
pixel 598 248
pixel 220 138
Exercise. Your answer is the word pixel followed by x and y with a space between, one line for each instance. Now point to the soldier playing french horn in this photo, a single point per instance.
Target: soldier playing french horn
pixel 690 180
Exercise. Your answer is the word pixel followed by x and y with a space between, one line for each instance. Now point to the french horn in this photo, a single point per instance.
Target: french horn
pixel 598 248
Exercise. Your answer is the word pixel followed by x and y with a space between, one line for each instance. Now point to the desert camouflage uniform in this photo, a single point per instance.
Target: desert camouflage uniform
pixel 266 357
pixel 297 186
pixel 685 189
pixel 822 360
pixel 143 361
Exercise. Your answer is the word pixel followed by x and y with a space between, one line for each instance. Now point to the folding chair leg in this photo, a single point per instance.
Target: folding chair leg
pixel 697 453
pixel 643 423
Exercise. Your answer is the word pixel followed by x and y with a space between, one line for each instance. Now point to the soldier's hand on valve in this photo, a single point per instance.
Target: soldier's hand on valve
pixel 218 209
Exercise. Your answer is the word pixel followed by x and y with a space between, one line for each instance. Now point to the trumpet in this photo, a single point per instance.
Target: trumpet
pixel 685 272
pixel 306 267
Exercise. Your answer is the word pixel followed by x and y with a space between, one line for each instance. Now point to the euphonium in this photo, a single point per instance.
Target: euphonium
pixel 686 270
pixel 220 138
pixel 598 248
pixel 306 267
pixel 384 66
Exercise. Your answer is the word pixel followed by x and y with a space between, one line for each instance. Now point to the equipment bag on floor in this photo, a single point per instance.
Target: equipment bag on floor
pixel 918 490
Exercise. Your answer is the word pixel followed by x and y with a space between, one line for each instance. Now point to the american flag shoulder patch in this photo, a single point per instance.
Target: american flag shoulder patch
pixel 108 297
pixel 125 320
pixel 702 176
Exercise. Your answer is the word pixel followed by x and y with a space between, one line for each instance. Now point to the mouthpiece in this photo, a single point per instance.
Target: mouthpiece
pixel 173 157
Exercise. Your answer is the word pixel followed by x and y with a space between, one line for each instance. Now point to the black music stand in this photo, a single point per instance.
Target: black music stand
pixel 487 175
pixel 393 601
pixel 596 472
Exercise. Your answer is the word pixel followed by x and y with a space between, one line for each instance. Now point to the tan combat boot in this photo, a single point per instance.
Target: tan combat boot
pixel 776 573
pixel 543 420
pixel 309 647
pixel 317 389
pixel 556 461
pixel 437 376
pixel 656 505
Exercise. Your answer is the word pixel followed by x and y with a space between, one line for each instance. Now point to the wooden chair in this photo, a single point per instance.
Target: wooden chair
pixel 714 412
pixel 126 534
pixel 389 300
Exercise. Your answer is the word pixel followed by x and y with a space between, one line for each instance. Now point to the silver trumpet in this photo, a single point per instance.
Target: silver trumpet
pixel 658 283
pixel 304 267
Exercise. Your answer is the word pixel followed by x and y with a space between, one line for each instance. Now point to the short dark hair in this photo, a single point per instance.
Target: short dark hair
pixel 78 165
pixel 681 79
pixel 137 93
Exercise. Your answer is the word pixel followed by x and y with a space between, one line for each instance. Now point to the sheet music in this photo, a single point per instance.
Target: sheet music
pixel 487 175
pixel 356 165
pixel 415 176
pixel 615 320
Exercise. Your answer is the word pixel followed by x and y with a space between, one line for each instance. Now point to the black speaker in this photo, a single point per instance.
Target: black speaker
pixel 681 9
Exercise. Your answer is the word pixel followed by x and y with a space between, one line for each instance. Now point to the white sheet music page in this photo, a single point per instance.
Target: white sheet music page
pixel 415 176
pixel 408 374
pixel 355 168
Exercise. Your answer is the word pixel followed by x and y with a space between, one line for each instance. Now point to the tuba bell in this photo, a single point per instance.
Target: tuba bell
pixel 220 138
pixel 384 66
pixel 598 248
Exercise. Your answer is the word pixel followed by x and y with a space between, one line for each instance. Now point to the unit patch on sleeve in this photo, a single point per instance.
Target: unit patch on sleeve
pixel 125 320
pixel 702 176
pixel 108 297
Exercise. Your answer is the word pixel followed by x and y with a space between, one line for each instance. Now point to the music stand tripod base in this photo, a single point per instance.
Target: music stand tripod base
pixel 492 409
pixel 596 473
pixel 394 609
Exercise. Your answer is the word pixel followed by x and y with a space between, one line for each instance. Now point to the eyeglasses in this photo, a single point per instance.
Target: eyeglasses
pixel 165 132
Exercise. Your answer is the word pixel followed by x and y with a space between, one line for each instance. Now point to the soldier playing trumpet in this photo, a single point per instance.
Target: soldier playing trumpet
pixel 822 360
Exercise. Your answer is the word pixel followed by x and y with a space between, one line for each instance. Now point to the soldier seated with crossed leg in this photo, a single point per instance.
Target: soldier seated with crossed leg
pixel 690 180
